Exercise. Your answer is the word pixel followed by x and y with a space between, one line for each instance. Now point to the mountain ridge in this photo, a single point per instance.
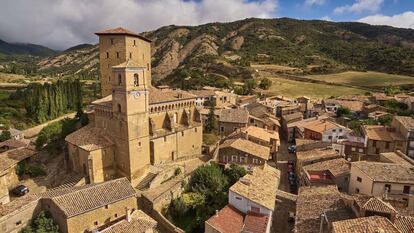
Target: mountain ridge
pixel 197 53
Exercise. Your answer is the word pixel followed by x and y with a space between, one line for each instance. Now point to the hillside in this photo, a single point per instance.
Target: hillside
pixel 220 52
pixel 25 49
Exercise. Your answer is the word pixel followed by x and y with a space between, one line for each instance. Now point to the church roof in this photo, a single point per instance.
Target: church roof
pixel 80 200
pixel 89 138
pixel 121 31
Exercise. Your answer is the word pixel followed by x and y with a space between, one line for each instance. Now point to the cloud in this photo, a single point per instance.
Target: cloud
pixel 403 20
pixel 326 18
pixel 360 6
pixel 314 2
pixel 63 23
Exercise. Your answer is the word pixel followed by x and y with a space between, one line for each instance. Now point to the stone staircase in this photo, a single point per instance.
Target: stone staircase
pixel 144 184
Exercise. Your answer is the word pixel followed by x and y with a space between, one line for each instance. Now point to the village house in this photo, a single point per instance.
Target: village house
pixel 380 139
pixel 243 152
pixel 262 116
pixel 332 105
pixel 244 100
pixel 220 99
pixel 232 119
pixel 405 126
pixel 370 224
pixel 105 207
pixel 329 172
pixel 8 162
pixel 312 156
pixel 251 204
pixel 135 125
pixel 325 130
pixel 295 129
pixel 283 110
pixel 388 180
pixel 259 136
pixel 396 157
pixel 317 207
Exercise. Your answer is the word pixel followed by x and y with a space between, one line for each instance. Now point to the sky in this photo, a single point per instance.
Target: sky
pixel 60 24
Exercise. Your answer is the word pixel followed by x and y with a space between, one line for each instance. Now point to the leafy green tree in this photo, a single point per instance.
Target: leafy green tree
pixel 209 180
pixel 343 111
pixel 265 84
pixel 249 86
pixel 43 223
pixel 211 123
pixel 5 135
pixel 234 173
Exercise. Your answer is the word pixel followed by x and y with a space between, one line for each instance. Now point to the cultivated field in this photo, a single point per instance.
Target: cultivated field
pixel 365 79
pixel 291 88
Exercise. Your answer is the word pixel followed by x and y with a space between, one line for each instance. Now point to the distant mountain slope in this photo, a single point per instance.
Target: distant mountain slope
pixel 227 49
pixel 25 49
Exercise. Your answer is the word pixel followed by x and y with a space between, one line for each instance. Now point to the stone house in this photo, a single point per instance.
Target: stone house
pixel 405 126
pixel 315 155
pixel 262 116
pixel 135 125
pixel 90 207
pixel 380 139
pixel 334 172
pixel 220 99
pixel 8 177
pixel 252 201
pixel 410 103
pixel 325 130
pixel 232 119
pixel 388 180
pixel 259 136
pixel 243 152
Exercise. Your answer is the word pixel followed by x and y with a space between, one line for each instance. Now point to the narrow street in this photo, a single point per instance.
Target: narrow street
pixel 283 157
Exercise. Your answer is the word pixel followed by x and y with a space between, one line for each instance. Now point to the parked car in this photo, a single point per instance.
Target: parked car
pixel 20 190
pixel 292 149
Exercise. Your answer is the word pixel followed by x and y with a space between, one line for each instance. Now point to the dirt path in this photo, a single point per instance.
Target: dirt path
pixel 32 132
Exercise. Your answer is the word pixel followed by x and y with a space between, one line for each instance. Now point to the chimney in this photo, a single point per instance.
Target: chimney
pixel 128 214
pixel 217 213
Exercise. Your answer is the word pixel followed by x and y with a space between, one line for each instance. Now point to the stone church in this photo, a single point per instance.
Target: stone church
pixel 135 125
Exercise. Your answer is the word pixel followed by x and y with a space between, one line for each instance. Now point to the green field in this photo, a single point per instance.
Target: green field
pixel 291 88
pixel 365 79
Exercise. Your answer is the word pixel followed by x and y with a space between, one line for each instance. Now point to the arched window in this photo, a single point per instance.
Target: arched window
pixel 135 43
pixel 136 80
pixel 117 54
pixel 107 55
pixel 119 108
pixel 130 55
pixel 119 79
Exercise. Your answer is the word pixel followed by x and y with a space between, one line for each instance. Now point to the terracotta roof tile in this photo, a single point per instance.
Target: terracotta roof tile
pixel 323 125
pixel 381 133
pixel 373 224
pixel 89 138
pixel 247 147
pixel 337 166
pixel 140 223
pixel 234 115
pixel 386 172
pixel 121 31
pixel 12 157
pixel 406 121
pixel 404 223
pixel 77 201
pixel 317 153
pixel 255 223
pixel 13 143
pixel 260 186
pixel 228 220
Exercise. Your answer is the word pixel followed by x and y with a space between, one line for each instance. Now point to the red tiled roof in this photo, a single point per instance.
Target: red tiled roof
pixel 228 220
pixel 121 31
pixel 256 223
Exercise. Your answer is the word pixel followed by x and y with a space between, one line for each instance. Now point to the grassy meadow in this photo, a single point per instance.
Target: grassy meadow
pixel 291 88
pixel 365 79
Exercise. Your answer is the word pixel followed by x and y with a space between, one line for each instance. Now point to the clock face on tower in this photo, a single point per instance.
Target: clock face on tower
pixel 135 94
